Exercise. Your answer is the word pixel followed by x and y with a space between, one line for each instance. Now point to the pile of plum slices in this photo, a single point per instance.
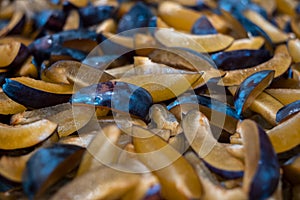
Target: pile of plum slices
pixel 152 99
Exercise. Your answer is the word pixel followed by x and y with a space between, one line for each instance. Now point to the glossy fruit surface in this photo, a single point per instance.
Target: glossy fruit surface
pixel 119 96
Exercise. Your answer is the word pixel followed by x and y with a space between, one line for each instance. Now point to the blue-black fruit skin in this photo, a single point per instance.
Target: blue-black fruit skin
pixel 119 96
pixel 297 9
pixel 16 64
pixel 199 6
pixel 91 15
pixel 152 22
pixel 18 28
pixel 31 97
pixel 42 163
pixel 267 176
pixel 3 76
pixel 64 51
pixel 287 111
pixel 224 173
pixel 246 87
pixel 240 59
pixel 3 23
pixel 137 17
pixel 50 19
pixel 6 185
pixel 203 27
pixel 46 43
pixel 238 6
pixel 43 47
pixel 252 28
pixel 205 101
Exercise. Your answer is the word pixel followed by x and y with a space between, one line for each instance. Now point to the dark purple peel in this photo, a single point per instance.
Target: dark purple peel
pixel 254 30
pixel 137 17
pixel 91 15
pixel 203 27
pixel 267 176
pixel 6 185
pixel 197 131
pixel 153 193
pixel 205 101
pixel 224 173
pixel 12 54
pixel 219 114
pixel 50 19
pixel 3 76
pixel 250 88
pixel 43 47
pixel 52 163
pixel 38 98
pixel 240 59
pixel 199 5
pixel 291 170
pixel 16 58
pixel 262 170
pixel 119 96
pixel 103 62
pixel 287 111
pixel 17 29
pixel 20 58
pixel 48 42
pixel 70 53
pixel 238 5
pixel 3 23
pixel 15 25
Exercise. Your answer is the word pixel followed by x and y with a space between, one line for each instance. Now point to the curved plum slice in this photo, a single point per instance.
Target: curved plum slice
pixel 250 88
pixel 262 170
pixel 119 96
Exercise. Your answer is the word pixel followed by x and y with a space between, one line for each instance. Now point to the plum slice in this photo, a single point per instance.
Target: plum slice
pixel 291 169
pixel 199 43
pixel 294 49
pixel 28 135
pixel 250 88
pixel 286 135
pixel 12 54
pixel 240 59
pixel 280 62
pixel 53 163
pixel 42 93
pixel 102 150
pixel 197 131
pixel 253 43
pixel 12 167
pixel 69 118
pixel 119 96
pixel 66 71
pixel 15 24
pixel 219 114
pixel 203 27
pixel 284 95
pixel 91 15
pixel 182 18
pixel 164 86
pixel 138 16
pixel 8 106
pixel 262 170
pixel 177 177
pixel 276 35
pixel 102 183
pixel 288 111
